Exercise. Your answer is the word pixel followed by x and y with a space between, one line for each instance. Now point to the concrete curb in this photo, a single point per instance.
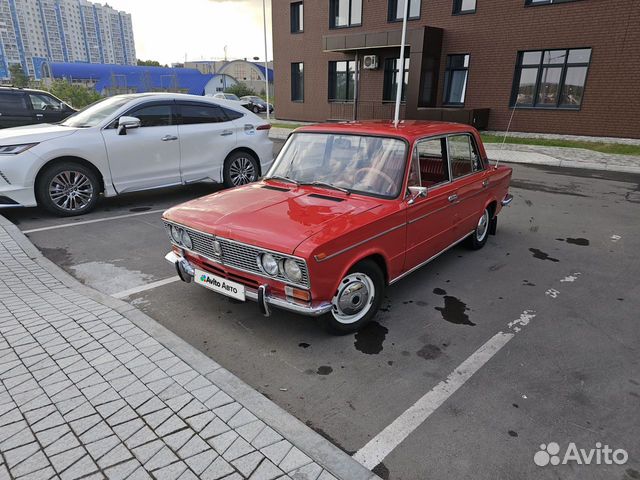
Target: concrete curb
pixel 311 443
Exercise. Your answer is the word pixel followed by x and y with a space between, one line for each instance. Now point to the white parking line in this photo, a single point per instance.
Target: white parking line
pixel 143 288
pixel 377 449
pixel 388 439
pixel 86 222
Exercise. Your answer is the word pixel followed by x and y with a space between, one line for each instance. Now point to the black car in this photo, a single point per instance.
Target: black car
pixel 256 104
pixel 23 106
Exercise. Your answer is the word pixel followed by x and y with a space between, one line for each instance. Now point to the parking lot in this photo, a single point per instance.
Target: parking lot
pixel 545 315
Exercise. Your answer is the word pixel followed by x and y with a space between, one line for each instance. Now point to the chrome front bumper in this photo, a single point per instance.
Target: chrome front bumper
pixel 262 296
pixel 508 198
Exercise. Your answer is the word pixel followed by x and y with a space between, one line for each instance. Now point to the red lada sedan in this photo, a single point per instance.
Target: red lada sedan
pixel 346 210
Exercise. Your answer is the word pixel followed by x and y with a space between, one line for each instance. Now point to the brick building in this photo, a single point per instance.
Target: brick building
pixel 566 66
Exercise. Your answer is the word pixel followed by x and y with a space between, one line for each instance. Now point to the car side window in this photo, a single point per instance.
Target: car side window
pixel 432 158
pixel 461 155
pixel 414 170
pixel 12 102
pixel 232 114
pixel 153 115
pixel 42 103
pixel 196 114
pixel 476 159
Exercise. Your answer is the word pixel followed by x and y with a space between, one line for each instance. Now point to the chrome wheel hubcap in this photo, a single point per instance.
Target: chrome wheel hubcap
pixel 242 171
pixel 71 190
pixel 354 298
pixel 483 226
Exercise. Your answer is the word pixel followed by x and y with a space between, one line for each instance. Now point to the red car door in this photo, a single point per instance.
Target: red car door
pixel 430 225
pixel 469 181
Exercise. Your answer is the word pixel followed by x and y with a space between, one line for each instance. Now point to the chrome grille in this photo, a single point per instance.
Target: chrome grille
pixel 238 255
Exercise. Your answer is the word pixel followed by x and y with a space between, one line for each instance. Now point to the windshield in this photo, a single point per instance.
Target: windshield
pixel 95 113
pixel 231 96
pixel 362 164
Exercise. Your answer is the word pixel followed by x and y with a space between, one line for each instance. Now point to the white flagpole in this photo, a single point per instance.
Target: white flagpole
pixel 400 78
pixel 266 63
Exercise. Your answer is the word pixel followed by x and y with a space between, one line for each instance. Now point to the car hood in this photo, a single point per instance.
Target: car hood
pixel 34 133
pixel 267 216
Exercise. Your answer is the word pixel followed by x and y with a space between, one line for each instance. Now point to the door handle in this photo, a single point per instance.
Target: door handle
pixel 226 133
pixel 169 138
pixel 485 183
pixel 453 198
pixel 39 115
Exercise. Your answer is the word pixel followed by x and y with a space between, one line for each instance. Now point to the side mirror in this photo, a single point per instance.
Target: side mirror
pixel 125 123
pixel 415 193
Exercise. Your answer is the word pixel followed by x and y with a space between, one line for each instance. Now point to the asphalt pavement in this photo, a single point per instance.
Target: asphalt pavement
pixel 562 271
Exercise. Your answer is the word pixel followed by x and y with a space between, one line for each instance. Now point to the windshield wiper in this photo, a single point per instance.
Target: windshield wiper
pixel 283 179
pixel 327 185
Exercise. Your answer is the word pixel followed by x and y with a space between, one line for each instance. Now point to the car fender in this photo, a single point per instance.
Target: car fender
pixel 84 146
pixel 498 186
pixel 361 255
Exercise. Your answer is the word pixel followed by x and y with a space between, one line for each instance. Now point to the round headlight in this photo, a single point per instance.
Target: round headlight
pixel 176 234
pixel 269 264
pixel 292 270
pixel 186 240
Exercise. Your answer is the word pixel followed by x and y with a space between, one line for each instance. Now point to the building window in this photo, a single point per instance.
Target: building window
pixel 345 13
pixel 464 6
pixel 396 10
pixel 297 82
pixel 455 79
pixel 342 81
pixel 297 17
pixel 550 78
pixel 391 77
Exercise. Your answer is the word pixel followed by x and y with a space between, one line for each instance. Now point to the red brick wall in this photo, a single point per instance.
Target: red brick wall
pixel 492 36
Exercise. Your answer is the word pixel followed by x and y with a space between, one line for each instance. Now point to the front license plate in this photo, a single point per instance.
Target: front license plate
pixel 220 285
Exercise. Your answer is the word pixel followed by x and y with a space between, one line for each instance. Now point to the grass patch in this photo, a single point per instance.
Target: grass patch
pixel 602 147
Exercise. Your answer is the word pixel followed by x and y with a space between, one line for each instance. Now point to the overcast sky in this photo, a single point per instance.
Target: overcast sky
pixel 166 30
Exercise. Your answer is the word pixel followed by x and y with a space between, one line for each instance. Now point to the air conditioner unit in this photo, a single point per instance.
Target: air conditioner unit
pixel 370 62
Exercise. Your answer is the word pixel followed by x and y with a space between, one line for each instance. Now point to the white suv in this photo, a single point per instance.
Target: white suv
pixel 128 143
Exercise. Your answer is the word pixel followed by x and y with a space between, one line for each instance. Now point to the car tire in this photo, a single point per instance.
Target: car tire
pixel 67 189
pixel 256 109
pixel 479 237
pixel 240 168
pixel 346 316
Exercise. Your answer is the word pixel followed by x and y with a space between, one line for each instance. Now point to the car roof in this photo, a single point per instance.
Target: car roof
pixel 134 99
pixel 408 129
pixel 21 89
pixel 176 96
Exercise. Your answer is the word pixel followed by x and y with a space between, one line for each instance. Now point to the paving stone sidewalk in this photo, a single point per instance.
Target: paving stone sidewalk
pixel 86 393
pixel 563 157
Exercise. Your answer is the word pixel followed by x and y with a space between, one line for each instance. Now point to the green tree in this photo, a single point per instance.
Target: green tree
pixel 78 96
pixel 149 63
pixel 18 77
pixel 240 89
